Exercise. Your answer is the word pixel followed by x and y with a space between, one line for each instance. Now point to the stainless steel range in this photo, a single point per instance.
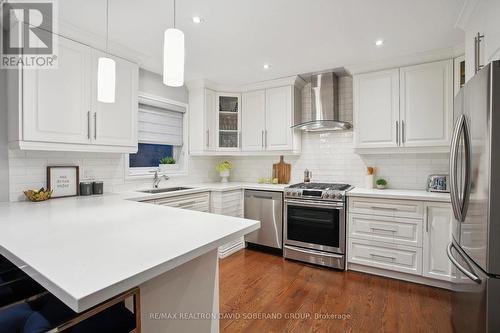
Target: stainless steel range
pixel 315 219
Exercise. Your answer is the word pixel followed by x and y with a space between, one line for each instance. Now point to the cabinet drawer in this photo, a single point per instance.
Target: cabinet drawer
pixel 386 256
pixel 395 230
pixel 386 207
pixel 186 201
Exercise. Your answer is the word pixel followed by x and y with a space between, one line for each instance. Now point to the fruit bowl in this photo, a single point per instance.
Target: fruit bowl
pixel 40 195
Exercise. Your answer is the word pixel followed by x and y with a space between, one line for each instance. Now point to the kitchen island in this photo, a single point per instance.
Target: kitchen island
pixel 86 250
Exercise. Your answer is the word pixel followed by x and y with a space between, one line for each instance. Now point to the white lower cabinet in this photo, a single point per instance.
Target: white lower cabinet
pixel 228 203
pixel 395 257
pixel 198 201
pixel 402 236
pixel 437 235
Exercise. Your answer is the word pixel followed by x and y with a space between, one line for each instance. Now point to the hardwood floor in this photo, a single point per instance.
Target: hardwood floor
pixel 288 296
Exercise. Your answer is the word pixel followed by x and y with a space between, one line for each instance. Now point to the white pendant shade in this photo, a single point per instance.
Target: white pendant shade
pixel 106 80
pixel 173 58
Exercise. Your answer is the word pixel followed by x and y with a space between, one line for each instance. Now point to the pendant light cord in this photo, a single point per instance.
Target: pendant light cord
pixel 107 25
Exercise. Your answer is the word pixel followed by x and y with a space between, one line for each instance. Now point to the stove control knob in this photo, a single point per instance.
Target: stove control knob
pixel 339 196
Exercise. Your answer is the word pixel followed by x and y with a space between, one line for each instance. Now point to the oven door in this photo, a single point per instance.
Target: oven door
pixel 315 225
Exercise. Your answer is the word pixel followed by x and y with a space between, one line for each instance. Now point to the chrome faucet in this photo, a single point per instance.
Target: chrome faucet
pixel 158 178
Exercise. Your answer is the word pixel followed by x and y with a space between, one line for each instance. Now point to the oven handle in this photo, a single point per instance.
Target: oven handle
pixel 338 205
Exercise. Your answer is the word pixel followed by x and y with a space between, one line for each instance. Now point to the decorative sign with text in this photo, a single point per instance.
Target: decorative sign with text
pixel 63 180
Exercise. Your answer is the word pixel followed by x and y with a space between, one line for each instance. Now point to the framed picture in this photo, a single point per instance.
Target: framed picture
pixel 63 180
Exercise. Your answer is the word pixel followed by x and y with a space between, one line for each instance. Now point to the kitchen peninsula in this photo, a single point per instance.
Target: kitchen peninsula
pixel 86 250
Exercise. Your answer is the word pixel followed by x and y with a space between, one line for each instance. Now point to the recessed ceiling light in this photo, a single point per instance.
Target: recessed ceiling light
pixel 266 66
pixel 379 42
pixel 197 19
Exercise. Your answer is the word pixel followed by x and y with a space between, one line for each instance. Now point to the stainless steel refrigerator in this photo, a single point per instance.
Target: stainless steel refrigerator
pixel 475 195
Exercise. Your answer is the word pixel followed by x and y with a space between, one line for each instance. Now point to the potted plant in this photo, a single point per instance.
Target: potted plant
pixel 224 169
pixel 381 183
pixel 167 164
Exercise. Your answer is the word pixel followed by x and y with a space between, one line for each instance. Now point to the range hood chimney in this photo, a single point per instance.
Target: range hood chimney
pixel 324 112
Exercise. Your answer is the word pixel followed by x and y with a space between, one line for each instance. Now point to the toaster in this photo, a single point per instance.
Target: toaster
pixel 438 183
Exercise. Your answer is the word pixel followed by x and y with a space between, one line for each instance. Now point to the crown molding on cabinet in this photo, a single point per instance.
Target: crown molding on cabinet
pixel 407 60
pixel 96 41
pixel 465 13
pixel 294 80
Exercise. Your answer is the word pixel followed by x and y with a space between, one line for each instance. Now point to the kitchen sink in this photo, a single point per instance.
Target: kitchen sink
pixel 165 190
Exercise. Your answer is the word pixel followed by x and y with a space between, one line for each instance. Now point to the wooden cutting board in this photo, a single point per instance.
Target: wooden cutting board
pixel 282 171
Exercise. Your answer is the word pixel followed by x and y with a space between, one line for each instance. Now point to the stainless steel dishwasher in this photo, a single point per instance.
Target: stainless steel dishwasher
pixel 266 207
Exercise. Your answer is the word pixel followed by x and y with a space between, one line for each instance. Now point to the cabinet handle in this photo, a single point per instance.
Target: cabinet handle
pixel 381 229
pixel 88 125
pixel 266 138
pixel 403 131
pixel 397 132
pixel 383 208
pixel 477 52
pixel 262 139
pixel 95 126
pixel 427 224
pixel 382 256
pixel 208 138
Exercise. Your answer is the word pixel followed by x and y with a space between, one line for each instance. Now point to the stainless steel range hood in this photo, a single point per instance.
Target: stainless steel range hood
pixel 323 115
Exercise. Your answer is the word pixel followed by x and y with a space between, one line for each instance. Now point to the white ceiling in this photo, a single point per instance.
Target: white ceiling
pixel 293 36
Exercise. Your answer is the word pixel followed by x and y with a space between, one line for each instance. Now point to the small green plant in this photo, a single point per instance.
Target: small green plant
pixel 167 160
pixel 381 182
pixel 224 166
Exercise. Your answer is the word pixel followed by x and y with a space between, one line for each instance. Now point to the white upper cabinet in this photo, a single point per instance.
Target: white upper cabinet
pixel 228 106
pixel 376 109
pixel 57 109
pixel 279 111
pixel 409 107
pixel 253 120
pixel 211 120
pixel 437 235
pixel 56 102
pixel 256 119
pixel 426 104
pixel 115 124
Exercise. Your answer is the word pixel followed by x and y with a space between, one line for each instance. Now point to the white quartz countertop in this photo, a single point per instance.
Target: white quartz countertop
pixel 399 194
pixel 136 195
pixel 86 250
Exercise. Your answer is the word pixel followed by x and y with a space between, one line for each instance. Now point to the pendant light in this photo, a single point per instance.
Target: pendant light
pixel 173 57
pixel 106 71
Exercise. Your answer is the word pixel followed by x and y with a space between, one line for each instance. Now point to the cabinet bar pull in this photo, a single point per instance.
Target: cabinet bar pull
pixel 382 256
pixel 403 131
pixel 477 52
pixel 397 132
pixel 88 125
pixel 383 208
pixel 381 229
pixel 262 139
pixel 208 138
pixel 95 126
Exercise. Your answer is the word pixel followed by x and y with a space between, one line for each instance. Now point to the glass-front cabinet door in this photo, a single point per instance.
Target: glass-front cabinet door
pixel 228 121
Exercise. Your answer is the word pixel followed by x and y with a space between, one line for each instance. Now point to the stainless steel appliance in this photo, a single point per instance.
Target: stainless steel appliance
pixel 266 207
pixel 323 113
pixel 475 196
pixel 438 183
pixel 315 219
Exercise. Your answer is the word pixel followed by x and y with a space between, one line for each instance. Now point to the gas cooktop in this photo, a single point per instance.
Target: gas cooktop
pixel 317 191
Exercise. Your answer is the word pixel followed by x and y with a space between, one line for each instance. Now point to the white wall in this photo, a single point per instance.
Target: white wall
pixel 152 83
pixel 4 164
pixel 331 158
pixel 28 168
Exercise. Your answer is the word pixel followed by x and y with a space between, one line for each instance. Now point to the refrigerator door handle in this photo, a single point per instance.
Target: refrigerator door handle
pixel 453 168
pixel 464 205
pixel 462 269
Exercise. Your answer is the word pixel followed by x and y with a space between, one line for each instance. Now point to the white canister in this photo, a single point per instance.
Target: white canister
pixel 224 175
pixel 369 181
